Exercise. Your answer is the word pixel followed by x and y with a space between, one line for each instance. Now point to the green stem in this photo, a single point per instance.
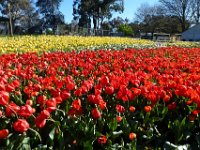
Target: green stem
pixel 60 110
pixel 36 133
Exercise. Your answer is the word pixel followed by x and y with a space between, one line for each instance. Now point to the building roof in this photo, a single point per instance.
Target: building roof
pixel 192 34
pixel 193 28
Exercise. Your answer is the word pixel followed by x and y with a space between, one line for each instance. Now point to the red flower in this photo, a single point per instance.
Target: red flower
pixel 119 118
pixel 166 98
pixel 41 100
pixel 45 114
pixel 2 87
pixel 51 105
pixel 195 112
pixel 147 108
pixel 132 109
pixel 94 99
pixel 91 98
pixel 16 83
pixel 40 120
pixel 189 102
pixel 102 139
pixel 25 111
pixel 11 109
pixel 78 92
pixel 73 112
pixel 76 104
pixel 104 80
pixel 58 100
pixel 65 95
pixel 4 98
pixel 95 113
pixel 21 125
pixel 109 90
pixel 4 133
pixel 172 106
pixel 120 108
pixel 132 136
pixel 55 92
pixel 102 104
pixel 29 102
pixel 70 85
pixel 10 87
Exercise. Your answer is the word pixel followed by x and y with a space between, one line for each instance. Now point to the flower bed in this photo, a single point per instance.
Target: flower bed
pixel 144 99
pixel 21 44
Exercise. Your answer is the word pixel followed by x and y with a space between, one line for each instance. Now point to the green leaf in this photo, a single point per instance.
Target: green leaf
pixel 24 144
pixel 87 145
pixel 169 146
pixel 183 122
pixel 164 112
pixel 40 147
pixel 113 125
pixel 197 138
pixel 52 133
pixel 117 133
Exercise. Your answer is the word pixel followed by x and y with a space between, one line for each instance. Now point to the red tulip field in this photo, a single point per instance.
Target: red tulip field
pixel 104 99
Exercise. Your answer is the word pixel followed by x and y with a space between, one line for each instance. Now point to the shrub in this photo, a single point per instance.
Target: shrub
pixel 126 29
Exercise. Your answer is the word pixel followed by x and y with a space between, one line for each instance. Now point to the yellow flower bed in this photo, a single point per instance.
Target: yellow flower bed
pixel 184 44
pixel 48 43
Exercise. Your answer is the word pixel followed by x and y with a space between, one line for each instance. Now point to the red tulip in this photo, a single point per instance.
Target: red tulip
pixel 172 106
pixel 132 136
pixel 147 108
pixel 4 98
pixel 132 109
pixel 109 90
pixel 102 139
pixel 96 113
pixel 119 118
pixel 25 111
pixel 120 108
pixel 76 104
pixel 21 125
pixel 40 122
pixel 4 133
pixel 11 109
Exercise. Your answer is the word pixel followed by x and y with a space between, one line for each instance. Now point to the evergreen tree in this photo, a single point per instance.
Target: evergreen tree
pixel 51 16
pixel 15 11
pixel 96 10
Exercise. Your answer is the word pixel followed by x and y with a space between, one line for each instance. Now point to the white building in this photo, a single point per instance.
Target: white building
pixel 192 34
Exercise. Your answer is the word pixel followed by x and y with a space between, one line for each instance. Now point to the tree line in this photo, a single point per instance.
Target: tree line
pixel 167 16
pixel 32 15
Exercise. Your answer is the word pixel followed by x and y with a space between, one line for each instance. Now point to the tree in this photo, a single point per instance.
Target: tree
pixel 126 29
pixel 14 10
pixel 97 10
pixel 116 22
pixel 51 15
pixel 145 10
pixel 179 8
pixel 30 17
pixel 149 18
pixel 136 28
pixel 196 10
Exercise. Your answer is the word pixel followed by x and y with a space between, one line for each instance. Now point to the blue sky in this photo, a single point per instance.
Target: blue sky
pixel 130 8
